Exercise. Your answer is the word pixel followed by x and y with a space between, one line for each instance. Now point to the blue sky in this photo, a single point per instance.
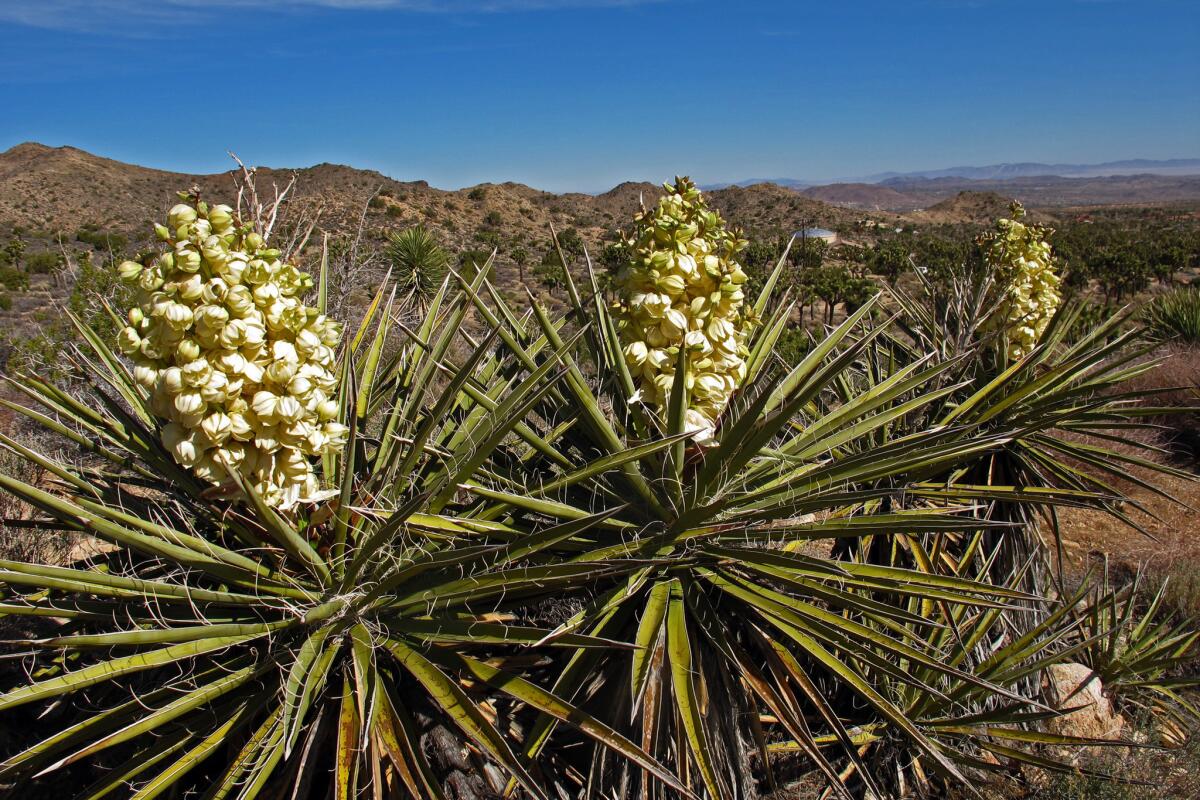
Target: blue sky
pixel 582 94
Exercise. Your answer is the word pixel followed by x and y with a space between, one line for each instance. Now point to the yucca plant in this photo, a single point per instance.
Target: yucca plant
pixel 982 733
pixel 418 263
pixel 737 611
pixel 251 646
pixel 1141 657
pixel 1174 317
pixel 1076 426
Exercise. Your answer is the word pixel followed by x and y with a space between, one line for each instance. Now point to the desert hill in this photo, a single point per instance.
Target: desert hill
pixel 978 208
pixel 58 190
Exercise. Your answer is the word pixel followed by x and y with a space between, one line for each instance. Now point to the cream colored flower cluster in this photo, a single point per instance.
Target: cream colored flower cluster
pixel 234 361
pixel 1030 295
pixel 682 288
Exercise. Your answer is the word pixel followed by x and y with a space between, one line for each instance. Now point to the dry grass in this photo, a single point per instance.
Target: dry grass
pixel 1180 372
pixel 1163 775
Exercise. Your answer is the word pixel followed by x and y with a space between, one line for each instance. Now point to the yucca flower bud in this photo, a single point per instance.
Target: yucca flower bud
pixel 1027 283
pixel 187 350
pixel 188 403
pixel 231 454
pixel 199 231
pixel 150 280
pixel 128 271
pixel 288 409
pixel 216 389
pixel 327 410
pixel 218 315
pixel 181 214
pixel 145 375
pixel 221 218
pixel 187 258
pixel 681 288
pixel 171 380
pixel 337 433
pixel 128 341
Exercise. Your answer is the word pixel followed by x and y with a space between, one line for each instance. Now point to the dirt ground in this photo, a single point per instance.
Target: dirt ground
pixel 1167 547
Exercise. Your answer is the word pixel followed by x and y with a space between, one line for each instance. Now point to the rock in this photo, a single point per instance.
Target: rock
pixel 1095 717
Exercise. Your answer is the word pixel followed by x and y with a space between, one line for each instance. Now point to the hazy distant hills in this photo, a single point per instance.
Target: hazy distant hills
pixel 1046 191
pixel 1134 181
pixel 1134 166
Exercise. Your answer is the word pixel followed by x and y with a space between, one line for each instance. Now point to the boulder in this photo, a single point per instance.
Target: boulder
pixel 1074 686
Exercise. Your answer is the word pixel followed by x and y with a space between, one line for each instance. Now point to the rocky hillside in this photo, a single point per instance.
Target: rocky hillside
pixel 59 190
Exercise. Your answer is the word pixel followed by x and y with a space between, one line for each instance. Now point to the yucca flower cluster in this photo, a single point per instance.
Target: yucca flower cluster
pixel 238 366
pixel 1024 265
pixel 683 288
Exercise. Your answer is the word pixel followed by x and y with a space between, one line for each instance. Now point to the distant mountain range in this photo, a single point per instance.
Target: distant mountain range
pixel 992 172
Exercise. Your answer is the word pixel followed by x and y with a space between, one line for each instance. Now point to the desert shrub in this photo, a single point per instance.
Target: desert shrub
pixel 835 285
pixel 1136 649
pixel 493 219
pixel 42 262
pixel 808 254
pixel 478 194
pixel 13 251
pixel 489 238
pixel 1091 315
pixel 793 345
pixel 549 271
pixel 6 301
pixel 1174 317
pixel 395 211
pixel 19 543
pixel 968 322
pixel 102 240
pixel 199 559
pixel 473 262
pixel 761 254
pixel 14 279
pixel 377 202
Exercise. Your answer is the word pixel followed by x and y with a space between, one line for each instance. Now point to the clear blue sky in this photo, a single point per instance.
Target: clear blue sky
pixel 582 94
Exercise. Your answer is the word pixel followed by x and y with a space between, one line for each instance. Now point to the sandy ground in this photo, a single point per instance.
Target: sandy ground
pixel 1168 545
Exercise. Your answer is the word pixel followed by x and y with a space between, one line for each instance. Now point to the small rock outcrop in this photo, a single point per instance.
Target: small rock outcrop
pixel 1074 686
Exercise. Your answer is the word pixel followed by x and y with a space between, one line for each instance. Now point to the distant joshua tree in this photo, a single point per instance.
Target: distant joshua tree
pixel 520 257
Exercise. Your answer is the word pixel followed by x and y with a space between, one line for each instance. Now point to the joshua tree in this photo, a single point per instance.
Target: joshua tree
pixel 520 256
